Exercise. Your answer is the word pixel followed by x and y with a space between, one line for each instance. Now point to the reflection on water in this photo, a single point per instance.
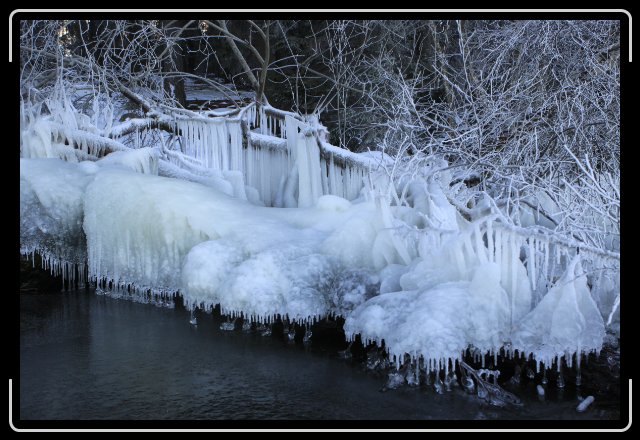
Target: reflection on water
pixel 84 356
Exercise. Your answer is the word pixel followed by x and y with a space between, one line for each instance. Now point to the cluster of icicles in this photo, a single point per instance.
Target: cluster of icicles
pixel 72 274
pixel 545 261
pixel 285 174
pixel 487 241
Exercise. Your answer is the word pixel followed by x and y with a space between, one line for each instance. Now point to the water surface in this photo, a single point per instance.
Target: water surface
pixel 84 356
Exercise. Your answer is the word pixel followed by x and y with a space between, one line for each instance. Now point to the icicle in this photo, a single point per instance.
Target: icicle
pixel 585 404
pixel 263 121
pixel 545 267
pixel 513 262
pixel 480 249
pixel 532 262
pixel 498 250
pixel 490 241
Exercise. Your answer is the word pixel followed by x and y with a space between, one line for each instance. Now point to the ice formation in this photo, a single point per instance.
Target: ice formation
pixel 51 211
pixel 141 160
pixel 139 227
pixel 566 321
pixel 401 266
pixel 282 160
pixel 582 406
pixel 439 322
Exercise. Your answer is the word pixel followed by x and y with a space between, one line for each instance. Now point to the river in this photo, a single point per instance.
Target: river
pixel 86 357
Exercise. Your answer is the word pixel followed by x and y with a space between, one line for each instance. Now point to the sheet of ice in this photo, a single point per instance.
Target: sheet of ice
pixel 305 149
pixel 287 172
pixel 216 142
pixel 336 179
pixel 266 170
pixel 462 283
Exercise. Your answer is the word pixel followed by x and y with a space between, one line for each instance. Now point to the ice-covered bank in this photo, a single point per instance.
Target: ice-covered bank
pixel 404 252
pixel 466 283
pixel 169 235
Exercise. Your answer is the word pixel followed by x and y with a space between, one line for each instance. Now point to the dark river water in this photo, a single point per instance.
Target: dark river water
pixel 85 356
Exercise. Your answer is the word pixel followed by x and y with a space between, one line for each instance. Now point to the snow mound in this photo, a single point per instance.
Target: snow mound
pixel 283 281
pixel 437 323
pixel 139 226
pixel 333 203
pixel 287 280
pixel 141 160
